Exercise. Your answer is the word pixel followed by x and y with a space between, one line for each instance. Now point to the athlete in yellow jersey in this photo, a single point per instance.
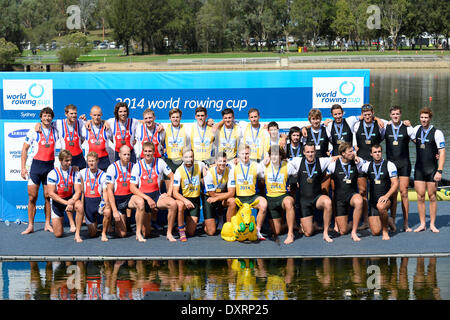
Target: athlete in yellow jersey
pixel 229 134
pixel 276 176
pixel 255 136
pixel 186 190
pixel 220 189
pixel 246 174
pixel 202 137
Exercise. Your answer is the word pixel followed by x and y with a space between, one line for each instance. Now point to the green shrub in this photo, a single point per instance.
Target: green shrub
pixel 68 55
pixel 8 51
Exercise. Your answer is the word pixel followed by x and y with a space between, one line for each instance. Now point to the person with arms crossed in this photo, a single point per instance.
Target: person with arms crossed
pixel 276 176
pixel 94 199
pixel 186 190
pixel 120 197
pixel 64 189
pixel 220 188
pixel 43 145
pixel 383 182
pixel 146 178
pixel 430 144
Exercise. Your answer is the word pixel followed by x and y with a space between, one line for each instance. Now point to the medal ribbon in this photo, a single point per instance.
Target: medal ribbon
pixel 377 173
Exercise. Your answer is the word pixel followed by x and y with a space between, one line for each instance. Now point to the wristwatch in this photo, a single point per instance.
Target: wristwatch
pixel 440 171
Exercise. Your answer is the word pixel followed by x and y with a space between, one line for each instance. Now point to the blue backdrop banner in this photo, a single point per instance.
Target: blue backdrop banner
pixel 283 96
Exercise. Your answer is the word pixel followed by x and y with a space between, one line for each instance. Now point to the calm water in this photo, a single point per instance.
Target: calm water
pixel 412 89
pixel 274 279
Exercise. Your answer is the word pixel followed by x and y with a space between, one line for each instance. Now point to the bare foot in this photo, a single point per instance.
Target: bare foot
pixel 392 225
pixel 48 227
pixel 434 229
pixel 364 226
pixel 336 228
pixel 104 238
pixel 171 238
pixel 29 229
pixel 355 237
pixel 327 238
pixel 140 239
pixel 407 228
pixel 420 228
pixel 385 236
pixel 73 228
pixel 78 239
pixel 289 239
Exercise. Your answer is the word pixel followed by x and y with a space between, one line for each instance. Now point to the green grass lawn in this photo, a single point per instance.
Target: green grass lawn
pixel 117 55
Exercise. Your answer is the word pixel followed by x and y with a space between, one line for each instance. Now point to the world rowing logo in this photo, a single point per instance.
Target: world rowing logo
pixel 36 90
pixel 347 88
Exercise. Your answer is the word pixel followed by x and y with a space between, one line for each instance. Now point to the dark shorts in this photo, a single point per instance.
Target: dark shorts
pixel 122 203
pixel 155 197
pixel 39 171
pixel 210 210
pixel 172 165
pixel 132 156
pixel 195 212
pixel 403 170
pixel 275 207
pixel 79 161
pixel 306 207
pixel 420 175
pixel 248 199
pixel 343 206
pixel 103 163
pixel 58 209
pixel 373 212
pixel 91 209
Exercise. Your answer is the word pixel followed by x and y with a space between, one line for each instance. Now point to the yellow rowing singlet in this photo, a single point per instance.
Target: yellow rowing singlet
pixel 190 189
pixel 276 184
pixel 202 145
pixel 229 144
pixel 245 180
pixel 255 141
pixel 175 141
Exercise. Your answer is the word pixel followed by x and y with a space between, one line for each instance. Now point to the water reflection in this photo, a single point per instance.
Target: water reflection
pixel 232 279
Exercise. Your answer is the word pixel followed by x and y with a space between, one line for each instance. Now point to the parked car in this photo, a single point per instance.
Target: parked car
pixel 103 46
pixel 112 45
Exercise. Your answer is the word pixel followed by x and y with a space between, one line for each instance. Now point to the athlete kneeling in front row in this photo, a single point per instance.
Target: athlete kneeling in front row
pixel 64 189
pixel 383 183
pixel 220 187
pixel 94 200
pixel 276 175
pixel 187 178
pixel 344 173
pixel 146 178
pixel 311 173
pixel 120 197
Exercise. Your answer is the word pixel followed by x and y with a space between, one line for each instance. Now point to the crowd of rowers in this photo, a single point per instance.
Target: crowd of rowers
pixel 334 168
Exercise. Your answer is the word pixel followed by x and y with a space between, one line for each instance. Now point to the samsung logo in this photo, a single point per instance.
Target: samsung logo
pixel 18 133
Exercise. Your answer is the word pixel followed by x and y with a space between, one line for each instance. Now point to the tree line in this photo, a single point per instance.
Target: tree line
pixel 165 26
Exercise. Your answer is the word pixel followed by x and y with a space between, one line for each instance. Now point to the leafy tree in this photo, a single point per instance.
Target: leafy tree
pixel 121 17
pixel 10 28
pixel 344 23
pixel 393 14
pixel 8 51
